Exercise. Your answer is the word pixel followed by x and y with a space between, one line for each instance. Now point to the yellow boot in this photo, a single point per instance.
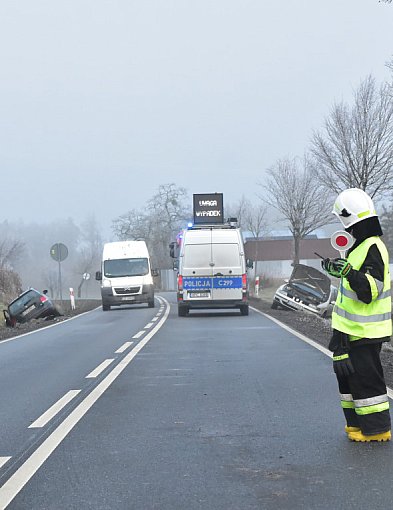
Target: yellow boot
pixel 351 429
pixel 360 437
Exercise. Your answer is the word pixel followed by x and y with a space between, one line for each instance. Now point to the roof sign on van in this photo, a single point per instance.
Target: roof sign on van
pixel 208 208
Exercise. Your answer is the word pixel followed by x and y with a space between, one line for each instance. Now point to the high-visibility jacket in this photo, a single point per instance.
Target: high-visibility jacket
pixel 353 316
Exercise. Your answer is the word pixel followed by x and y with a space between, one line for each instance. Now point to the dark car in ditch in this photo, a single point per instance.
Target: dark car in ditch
pixel 307 289
pixel 31 304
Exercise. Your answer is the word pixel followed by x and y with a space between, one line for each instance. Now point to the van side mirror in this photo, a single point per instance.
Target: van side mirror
pixel 249 264
pixel 172 249
pixel 98 275
pixel 155 272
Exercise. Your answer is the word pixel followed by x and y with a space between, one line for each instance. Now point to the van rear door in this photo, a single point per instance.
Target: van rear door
pixel 227 271
pixel 197 270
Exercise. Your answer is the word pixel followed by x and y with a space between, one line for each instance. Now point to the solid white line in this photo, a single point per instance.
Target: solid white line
pixel 99 369
pixel 306 339
pixel 124 347
pixel 148 326
pixel 19 479
pixel 3 460
pixel 139 334
pixel 52 411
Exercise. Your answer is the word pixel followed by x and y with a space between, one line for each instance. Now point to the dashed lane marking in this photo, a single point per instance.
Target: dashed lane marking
pixel 23 474
pixel 139 334
pixel 148 326
pixel 3 460
pixel 55 409
pixel 124 347
pixel 97 371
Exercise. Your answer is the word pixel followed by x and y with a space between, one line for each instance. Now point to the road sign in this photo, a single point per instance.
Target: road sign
pixel 59 252
pixel 342 241
pixel 86 276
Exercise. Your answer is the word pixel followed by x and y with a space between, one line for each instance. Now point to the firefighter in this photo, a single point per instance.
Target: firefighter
pixel 361 319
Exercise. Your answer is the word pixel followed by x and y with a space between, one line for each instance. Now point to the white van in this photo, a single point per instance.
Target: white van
pixel 126 275
pixel 212 269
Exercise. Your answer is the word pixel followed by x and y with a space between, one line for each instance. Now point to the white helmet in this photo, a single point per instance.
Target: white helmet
pixel 353 205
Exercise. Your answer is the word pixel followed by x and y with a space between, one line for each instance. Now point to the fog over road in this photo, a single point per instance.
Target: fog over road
pixel 137 408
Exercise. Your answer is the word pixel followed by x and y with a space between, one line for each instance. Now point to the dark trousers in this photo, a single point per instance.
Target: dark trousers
pixel 367 382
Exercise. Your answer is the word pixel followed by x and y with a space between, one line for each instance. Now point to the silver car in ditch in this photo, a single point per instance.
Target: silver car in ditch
pixel 308 289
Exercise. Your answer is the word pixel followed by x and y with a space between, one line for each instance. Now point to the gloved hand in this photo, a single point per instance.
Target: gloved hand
pixel 337 267
pixel 340 346
pixel 342 364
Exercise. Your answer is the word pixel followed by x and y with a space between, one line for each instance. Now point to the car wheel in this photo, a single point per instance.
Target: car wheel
pixel 274 305
pixel 105 308
pixel 244 309
pixel 182 310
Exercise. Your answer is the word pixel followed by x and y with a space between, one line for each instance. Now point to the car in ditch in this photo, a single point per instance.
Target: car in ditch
pixel 308 289
pixel 29 305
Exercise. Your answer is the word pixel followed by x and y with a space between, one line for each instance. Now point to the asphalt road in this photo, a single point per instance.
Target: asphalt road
pixel 211 411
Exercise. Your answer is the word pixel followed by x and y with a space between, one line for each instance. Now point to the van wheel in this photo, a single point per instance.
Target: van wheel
pixel 244 309
pixel 182 310
pixel 150 303
pixel 105 308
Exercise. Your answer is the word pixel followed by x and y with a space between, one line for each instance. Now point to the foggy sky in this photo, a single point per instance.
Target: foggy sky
pixel 103 100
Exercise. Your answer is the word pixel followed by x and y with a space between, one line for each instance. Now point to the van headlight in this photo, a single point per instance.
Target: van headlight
pixel 106 283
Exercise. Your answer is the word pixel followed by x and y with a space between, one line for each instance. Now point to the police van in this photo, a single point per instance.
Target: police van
pixel 212 270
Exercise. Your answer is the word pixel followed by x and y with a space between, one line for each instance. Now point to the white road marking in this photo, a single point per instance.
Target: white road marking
pixel 307 340
pixel 155 319
pixel 3 460
pixel 46 327
pixel 148 326
pixel 52 411
pixel 124 347
pixel 139 334
pixel 100 368
pixel 22 475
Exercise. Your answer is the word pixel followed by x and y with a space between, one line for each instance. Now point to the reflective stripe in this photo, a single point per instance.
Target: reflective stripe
pixel 371 401
pixel 362 318
pixel 352 295
pixel 347 405
pixel 341 357
pixel 378 408
pixel 346 396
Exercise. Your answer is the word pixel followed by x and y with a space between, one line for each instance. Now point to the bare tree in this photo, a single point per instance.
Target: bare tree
pixel 251 218
pixel 158 224
pixel 295 191
pixel 356 147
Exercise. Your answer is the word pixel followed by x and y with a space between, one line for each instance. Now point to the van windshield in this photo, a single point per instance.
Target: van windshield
pixel 125 267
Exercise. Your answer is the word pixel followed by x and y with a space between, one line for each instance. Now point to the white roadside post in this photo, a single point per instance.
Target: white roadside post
pixel 72 298
pixel 256 285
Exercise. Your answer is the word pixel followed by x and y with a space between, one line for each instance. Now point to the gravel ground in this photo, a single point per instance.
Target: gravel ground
pixel 310 325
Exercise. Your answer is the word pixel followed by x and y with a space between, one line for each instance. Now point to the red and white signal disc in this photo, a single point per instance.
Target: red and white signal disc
pixel 342 241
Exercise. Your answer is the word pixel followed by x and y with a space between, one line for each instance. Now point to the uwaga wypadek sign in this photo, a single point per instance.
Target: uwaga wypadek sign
pixel 208 208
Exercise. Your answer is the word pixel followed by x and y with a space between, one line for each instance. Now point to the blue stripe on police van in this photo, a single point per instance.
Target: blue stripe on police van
pixel 216 282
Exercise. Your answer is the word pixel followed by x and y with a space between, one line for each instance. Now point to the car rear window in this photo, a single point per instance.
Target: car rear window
pixel 26 299
pixel 197 256
pixel 226 255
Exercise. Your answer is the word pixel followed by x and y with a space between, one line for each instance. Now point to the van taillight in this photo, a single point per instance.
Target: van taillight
pixel 244 282
pixel 43 299
pixel 180 282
